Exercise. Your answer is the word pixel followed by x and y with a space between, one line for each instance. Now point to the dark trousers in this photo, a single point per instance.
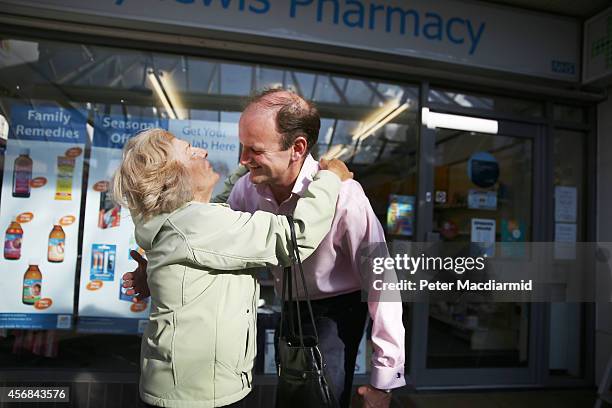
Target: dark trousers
pixel 340 321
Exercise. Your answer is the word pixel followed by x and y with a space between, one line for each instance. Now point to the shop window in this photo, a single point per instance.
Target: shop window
pixel 202 76
pixel 105 95
pixel 566 113
pixel 360 92
pixel 235 79
pixel 480 102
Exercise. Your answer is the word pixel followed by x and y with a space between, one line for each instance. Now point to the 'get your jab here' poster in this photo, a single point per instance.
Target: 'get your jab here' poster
pixel 104 305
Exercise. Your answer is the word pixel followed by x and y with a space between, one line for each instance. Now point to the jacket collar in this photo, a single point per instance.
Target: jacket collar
pixel 147 230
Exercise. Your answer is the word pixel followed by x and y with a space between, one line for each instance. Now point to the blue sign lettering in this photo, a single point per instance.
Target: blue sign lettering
pixel 562 67
pixel 48 123
pixel 394 20
pixel 114 131
pixel 353 14
pixel 256 6
pixel 404 16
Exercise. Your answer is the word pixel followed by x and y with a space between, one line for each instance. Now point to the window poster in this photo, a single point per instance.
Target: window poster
pixel 483 169
pixel 220 139
pixel 400 215
pixel 483 234
pixel 39 215
pixel 565 241
pixel 108 235
pixel 513 232
pixel 566 202
pixel 482 200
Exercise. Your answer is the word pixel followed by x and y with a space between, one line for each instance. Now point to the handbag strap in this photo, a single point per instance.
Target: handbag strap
pixel 284 283
pixel 295 257
pixel 287 301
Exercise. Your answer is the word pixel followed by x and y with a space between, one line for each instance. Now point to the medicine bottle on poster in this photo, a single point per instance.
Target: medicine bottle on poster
pixel 12 241
pixel 65 173
pixel 22 174
pixel 32 283
pixel 57 242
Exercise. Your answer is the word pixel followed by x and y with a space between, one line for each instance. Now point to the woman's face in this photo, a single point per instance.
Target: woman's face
pixel 202 176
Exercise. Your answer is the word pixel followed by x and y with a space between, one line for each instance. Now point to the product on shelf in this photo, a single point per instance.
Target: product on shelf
pixel 102 262
pixel 57 242
pixel 32 283
pixel 110 213
pixel 12 241
pixel 22 174
pixel 65 171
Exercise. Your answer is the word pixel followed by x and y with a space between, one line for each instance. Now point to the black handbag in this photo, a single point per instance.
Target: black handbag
pixel 301 371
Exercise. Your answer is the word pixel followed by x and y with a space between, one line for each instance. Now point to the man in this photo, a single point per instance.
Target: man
pixel 277 130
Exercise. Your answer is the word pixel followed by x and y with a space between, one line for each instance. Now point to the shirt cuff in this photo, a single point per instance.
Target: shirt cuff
pixel 386 378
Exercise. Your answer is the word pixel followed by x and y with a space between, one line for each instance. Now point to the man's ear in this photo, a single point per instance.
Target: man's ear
pixel 300 148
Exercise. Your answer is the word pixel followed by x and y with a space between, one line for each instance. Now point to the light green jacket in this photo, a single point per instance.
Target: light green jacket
pixel 199 346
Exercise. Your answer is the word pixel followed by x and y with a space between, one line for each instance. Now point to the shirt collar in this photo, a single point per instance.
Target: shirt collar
pixel 309 169
pixel 307 172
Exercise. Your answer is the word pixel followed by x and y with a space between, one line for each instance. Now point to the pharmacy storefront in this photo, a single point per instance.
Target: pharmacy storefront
pixel 460 124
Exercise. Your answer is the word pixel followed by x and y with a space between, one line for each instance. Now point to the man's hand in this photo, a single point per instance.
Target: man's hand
pixel 136 280
pixel 373 398
pixel 336 166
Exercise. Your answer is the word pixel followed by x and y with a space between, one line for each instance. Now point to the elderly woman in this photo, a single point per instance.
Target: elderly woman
pixel 199 346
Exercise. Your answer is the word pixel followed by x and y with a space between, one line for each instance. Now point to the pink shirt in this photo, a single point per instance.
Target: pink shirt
pixel 333 268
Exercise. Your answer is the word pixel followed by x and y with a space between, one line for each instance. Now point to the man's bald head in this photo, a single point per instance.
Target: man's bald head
pixel 294 116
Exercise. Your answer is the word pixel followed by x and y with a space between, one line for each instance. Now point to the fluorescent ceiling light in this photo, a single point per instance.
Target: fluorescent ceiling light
pixel 458 122
pixel 380 119
pixel 374 126
pixel 159 89
pixel 389 107
pixel 335 152
pixel 329 133
pixel 170 91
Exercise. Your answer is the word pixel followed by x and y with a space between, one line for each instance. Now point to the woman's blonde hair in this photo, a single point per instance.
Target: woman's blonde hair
pixel 150 180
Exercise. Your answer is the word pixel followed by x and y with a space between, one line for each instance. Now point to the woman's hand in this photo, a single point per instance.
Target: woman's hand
pixel 136 281
pixel 338 167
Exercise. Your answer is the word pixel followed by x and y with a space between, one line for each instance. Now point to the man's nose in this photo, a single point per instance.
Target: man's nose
pixel 244 156
pixel 204 152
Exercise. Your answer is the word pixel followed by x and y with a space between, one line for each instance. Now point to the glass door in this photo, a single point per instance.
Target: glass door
pixel 481 182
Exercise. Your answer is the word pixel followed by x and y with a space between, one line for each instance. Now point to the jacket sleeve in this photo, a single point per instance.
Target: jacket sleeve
pixel 228 184
pixel 241 240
